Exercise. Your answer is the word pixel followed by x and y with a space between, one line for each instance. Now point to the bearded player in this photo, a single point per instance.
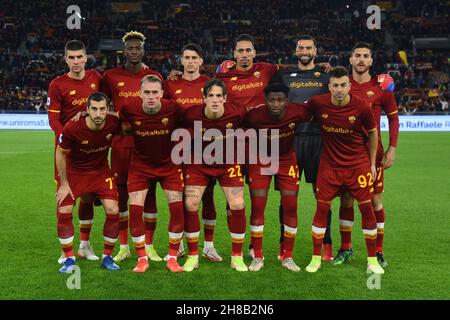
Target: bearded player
pixel 377 91
pixel 67 95
pixel 82 163
pixel 304 81
pixel 122 85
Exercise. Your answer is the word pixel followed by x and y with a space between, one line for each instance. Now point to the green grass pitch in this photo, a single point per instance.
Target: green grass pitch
pixel 417 242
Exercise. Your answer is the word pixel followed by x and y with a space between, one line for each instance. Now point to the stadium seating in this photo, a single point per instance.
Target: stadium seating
pixel 31 47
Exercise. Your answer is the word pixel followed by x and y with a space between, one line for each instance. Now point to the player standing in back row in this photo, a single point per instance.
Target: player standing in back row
pixel 67 95
pixel 377 91
pixel 122 86
pixel 187 91
pixel 305 81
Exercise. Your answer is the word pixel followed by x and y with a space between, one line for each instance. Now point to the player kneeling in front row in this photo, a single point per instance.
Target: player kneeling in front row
pixel 345 164
pixel 82 163
pixel 282 117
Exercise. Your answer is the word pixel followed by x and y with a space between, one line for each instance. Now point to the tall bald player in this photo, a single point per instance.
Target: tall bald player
pixel 122 86
pixel 305 81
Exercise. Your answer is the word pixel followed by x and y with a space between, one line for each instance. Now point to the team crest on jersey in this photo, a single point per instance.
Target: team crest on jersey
pixel 229 125
pixel 165 121
pixel 291 125
pixel 257 74
pixel 85 142
pixel 370 93
pixel 72 92
pixel 233 78
pixel 121 84
pixel 108 136
pixel 324 115
pixel 93 86
pixel 352 119
pixel 178 91
pixel 138 123
pixel 317 74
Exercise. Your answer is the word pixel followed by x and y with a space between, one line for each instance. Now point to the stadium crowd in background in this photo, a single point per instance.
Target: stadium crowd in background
pixel 30 53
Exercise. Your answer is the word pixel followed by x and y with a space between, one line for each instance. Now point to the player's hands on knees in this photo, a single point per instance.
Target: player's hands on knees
pixel 79 115
pixel 389 158
pixel 386 82
pixel 326 65
pixel 62 193
pixel 225 66
pixel 174 74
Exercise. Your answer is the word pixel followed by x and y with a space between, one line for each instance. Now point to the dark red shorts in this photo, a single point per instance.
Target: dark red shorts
pixel 120 162
pixel 286 177
pixel 140 176
pixel 100 184
pixel 332 182
pixel 227 175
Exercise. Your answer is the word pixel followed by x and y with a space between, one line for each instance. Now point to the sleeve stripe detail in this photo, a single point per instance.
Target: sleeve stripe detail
pixel 371 130
pixel 396 111
pixel 56 111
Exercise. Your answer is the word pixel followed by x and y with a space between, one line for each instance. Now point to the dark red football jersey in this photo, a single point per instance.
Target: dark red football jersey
pixel 245 88
pixel 67 96
pixel 343 130
pixel 88 148
pixel 184 92
pixel 231 119
pixel 123 88
pixel 379 100
pixel 152 133
pixel 260 118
